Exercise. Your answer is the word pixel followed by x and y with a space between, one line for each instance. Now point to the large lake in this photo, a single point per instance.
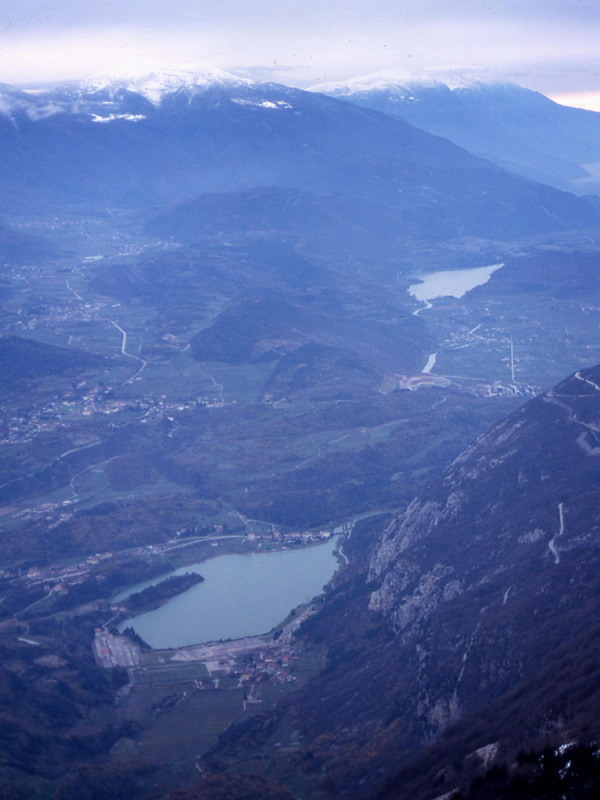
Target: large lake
pixel 452 283
pixel 242 595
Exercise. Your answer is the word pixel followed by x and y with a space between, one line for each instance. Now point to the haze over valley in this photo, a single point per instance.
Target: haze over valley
pixel 247 320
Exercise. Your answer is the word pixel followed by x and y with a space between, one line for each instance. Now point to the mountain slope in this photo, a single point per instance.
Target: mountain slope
pixel 477 621
pixel 331 224
pixel 16 246
pixel 27 359
pixel 109 144
pixel 267 327
pixel 488 574
pixel 519 129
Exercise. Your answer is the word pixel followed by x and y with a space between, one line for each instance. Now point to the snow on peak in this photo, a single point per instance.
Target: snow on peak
pixel 388 80
pixel 154 84
pixel 374 81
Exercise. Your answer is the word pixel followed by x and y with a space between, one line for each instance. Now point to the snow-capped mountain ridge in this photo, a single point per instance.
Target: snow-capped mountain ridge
pixel 388 80
pixel 211 132
pixel 519 129
pixel 156 84
pixel 120 93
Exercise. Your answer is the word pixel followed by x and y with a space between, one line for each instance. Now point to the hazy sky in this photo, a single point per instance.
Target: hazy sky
pixel 550 45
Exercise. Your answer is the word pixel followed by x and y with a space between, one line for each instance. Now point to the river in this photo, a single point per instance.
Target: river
pixel 451 283
pixel 242 595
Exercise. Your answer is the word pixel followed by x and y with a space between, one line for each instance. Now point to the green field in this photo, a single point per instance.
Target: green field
pixel 192 727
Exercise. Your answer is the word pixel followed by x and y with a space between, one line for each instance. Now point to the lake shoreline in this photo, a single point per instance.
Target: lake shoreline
pixel 449 283
pixel 243 595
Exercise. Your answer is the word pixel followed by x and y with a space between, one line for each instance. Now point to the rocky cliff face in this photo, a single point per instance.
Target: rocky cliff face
pixel 488 572
pixel 472 632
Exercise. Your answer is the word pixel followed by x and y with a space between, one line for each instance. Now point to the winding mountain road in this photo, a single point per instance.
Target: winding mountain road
pixel 423 308
pixel 550 397
pixel 343 555
pixel 552 543
pixel 580 377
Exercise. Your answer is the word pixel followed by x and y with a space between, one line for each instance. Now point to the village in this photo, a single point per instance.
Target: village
pixel 82 402
pixel 243 662
pixel 259 536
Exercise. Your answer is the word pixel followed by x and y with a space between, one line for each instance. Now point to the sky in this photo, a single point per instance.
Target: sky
pixel 547 45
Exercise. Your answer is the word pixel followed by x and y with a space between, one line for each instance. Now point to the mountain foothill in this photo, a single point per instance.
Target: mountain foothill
pixel 206 323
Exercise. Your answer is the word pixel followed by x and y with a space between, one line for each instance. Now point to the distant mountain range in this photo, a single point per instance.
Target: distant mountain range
pixel 145 140
pixel 271 311
pixel 520 130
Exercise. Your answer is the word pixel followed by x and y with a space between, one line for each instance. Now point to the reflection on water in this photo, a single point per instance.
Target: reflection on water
pixel 242 595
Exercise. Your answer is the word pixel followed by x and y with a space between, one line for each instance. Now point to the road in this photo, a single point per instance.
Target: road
pixel 512 359
pixel 580 377
pixel 37 602
pixel 77 295
pixel 142 361
pixel 561 530
pixel 75 450
pixel 87 469
pixel 423 308
pixel 196 540
pixel 47 466
pixel 587 448
pixel 550 397
pixel 70 452
pixel 342 554
pixel 218 386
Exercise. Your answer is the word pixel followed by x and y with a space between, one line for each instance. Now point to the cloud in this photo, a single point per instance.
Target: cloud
pixel 304 43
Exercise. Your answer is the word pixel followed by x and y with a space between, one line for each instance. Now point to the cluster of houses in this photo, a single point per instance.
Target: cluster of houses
pixel 270 664
pixel 297 537
pixel 75 573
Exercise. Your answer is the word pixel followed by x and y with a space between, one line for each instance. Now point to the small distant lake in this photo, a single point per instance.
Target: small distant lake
pixel 452 283
pixel 242 595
